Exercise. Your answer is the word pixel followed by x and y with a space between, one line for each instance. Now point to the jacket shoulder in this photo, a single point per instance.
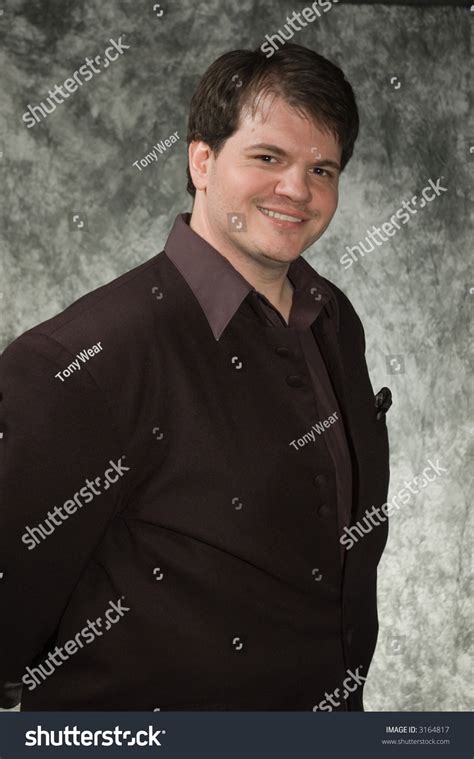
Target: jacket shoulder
pixel 117 309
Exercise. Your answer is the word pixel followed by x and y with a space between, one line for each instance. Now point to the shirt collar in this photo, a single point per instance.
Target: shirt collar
pixel 220 289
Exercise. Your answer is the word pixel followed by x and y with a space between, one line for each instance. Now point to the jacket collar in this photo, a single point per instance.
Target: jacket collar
pixel 221 289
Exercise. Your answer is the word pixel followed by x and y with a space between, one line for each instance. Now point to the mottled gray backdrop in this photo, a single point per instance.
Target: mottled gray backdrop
pixel 409 67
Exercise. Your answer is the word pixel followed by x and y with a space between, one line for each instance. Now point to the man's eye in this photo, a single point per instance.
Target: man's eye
pixel 326 172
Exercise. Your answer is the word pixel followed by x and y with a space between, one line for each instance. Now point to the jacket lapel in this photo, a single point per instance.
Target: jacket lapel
pixel 324 331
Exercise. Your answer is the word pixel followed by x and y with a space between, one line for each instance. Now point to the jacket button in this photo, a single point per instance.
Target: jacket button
pixel 319 480
pixel 323 510
pixel 283 351
pixel 294 380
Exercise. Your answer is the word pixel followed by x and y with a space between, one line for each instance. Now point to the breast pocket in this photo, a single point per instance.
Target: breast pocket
pixel 368 423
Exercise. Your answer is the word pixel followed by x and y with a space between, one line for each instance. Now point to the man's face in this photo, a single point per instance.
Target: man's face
pixel 290 172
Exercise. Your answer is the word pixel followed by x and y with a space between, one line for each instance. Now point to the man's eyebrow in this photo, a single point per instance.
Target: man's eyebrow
pixel 283 153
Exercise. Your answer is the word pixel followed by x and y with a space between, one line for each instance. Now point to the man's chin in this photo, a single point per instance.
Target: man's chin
pixel 286 246
pixel 281 255
pixel 283 249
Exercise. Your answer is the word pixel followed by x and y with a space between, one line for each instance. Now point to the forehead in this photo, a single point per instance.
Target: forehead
pixel 274 120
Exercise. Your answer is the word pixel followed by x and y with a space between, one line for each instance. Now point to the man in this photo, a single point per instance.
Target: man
pixel 185 446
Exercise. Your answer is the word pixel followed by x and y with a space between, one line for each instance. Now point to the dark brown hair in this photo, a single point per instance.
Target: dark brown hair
pixel 307 81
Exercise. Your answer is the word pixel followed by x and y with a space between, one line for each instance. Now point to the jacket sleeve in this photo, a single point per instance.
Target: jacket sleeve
pixel 58 440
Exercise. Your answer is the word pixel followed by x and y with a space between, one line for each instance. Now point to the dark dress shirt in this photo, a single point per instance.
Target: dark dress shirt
pixel 220 289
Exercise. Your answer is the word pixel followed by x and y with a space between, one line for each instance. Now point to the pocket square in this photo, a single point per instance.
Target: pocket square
pixel 383 401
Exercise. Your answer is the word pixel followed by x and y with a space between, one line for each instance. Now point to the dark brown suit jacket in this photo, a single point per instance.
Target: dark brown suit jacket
pixel 162 543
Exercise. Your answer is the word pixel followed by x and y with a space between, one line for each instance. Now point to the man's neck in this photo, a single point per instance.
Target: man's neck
pixel 272 283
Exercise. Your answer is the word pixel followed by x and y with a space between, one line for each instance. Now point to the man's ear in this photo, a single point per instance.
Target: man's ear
pixel 199 156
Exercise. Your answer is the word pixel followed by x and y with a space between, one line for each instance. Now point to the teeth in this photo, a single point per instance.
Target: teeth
pixel 282 216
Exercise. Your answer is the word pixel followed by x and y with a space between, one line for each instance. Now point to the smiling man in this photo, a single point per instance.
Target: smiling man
pixel 232 380
pixel 277 177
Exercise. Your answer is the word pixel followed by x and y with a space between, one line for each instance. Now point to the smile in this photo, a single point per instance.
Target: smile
pixel 280 216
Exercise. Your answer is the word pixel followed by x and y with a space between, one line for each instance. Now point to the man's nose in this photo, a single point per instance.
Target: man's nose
pixel 294 184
